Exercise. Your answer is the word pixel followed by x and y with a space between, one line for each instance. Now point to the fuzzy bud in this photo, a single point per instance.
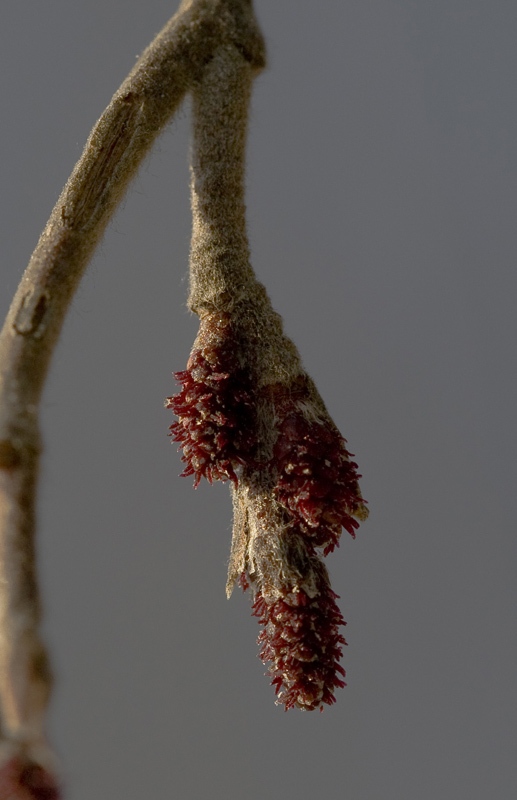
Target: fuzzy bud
pixel 301 639
pixel 214 407
pixel 317 482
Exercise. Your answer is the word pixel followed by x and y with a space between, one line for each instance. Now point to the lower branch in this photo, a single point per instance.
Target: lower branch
pixel 145 102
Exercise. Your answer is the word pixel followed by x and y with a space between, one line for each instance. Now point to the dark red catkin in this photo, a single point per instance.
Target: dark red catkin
pixel 302 642
pixel 216 427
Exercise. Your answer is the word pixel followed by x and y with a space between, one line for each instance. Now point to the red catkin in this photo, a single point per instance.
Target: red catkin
pixel 215 427
pixel 289 504
pixel 302 643
pixel 317 482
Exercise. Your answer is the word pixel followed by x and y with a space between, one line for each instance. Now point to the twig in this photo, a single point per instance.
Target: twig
pixel 146 101
pixel 248 413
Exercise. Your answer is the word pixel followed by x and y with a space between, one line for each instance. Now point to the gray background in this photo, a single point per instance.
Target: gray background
pixel 381 195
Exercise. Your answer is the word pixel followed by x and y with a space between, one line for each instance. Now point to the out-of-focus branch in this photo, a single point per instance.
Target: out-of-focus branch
pixel 146 101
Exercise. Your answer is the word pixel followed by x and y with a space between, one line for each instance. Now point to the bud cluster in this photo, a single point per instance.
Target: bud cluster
pixel 249 414
pixel 291 500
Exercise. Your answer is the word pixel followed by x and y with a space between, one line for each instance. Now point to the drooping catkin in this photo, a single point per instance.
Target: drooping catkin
pixel 248 413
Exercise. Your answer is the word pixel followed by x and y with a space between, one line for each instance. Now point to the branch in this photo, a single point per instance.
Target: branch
pixel 248 413
pixel 173 64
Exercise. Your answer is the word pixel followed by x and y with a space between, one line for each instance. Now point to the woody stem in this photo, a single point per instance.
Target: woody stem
pixel 173 64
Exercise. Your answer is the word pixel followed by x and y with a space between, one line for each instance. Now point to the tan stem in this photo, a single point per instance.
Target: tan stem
pixel 219 256
pixel 146 101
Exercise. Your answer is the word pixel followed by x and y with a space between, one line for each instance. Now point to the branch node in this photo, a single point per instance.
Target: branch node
pixel 31 313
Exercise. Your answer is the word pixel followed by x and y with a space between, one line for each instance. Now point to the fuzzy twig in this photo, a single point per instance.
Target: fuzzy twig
pixel 146 101
pixel 248 413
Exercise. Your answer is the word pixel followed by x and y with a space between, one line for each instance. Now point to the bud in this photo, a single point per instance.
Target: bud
pixel 214 407
pixel 301 639
pixel 294 485
pixel 275 560
pixel 316 480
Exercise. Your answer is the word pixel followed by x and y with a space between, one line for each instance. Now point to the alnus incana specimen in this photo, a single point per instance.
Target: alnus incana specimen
pixel 248 413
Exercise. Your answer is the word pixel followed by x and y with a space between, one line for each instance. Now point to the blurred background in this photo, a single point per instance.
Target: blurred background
pixel 382 190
